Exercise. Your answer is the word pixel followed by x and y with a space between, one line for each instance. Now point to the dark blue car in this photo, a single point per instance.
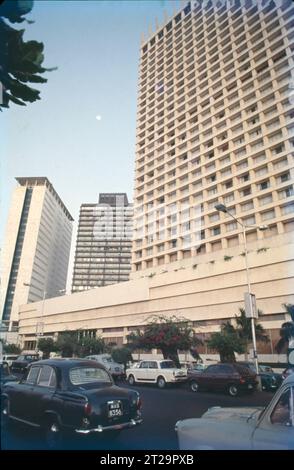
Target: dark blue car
pixel 270 380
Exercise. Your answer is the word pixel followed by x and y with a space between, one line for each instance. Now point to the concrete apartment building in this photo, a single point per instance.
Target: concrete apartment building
pixel 36 248
pixel 104 241
pixel 214 125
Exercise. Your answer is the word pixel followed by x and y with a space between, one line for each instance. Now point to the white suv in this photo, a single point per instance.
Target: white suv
pixel 161 372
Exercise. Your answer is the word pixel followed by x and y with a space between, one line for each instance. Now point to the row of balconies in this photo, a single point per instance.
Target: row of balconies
pixel 282 73
pixel 257 37
pixel 253 85
pixel 211 149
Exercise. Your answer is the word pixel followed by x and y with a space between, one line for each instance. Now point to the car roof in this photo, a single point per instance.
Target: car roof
pixel 65 363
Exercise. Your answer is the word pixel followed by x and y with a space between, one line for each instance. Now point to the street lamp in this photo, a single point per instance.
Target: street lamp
pixel 223 208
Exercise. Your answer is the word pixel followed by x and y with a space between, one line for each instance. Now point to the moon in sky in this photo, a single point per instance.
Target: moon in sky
pixel 98 117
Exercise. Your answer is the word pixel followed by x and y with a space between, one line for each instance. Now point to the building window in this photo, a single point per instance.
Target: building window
pixel 288 208
pixel 264 185
pixel 231 226
pixel 228 198
pixel 247 206
pixel 246 192
pixel 249 220
pixel 265 200
pixel 267 215
pixel 215 231
pixel 214 217
pixel 286 192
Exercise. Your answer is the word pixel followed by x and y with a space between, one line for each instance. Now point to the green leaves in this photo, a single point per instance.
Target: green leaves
pixel 16 9
pixel 20 61
pixel 286 331
pixel 226 343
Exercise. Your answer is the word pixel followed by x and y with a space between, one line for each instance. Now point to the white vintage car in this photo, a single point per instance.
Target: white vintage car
pixel 160 372
pixel 243 428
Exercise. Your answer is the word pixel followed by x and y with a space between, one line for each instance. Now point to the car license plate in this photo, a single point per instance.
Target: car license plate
pixel 114 408
pixel 250 386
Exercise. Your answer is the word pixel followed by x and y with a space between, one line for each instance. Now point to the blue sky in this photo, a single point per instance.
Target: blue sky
pixel 95 45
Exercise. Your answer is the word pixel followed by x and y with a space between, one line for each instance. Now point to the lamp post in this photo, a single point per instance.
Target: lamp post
pixel 223 208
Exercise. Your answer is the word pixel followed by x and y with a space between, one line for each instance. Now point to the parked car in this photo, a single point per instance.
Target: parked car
pixel 287 372
pixel 70 395
pixel 160 372
pixel 117 370
pixel 232 378
pixel 9 358
pixel 252 428
pixel 270 380
pixel 22 362
pixel 5 374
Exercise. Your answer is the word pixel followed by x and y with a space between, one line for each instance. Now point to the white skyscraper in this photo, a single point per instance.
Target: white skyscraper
pixel 36 248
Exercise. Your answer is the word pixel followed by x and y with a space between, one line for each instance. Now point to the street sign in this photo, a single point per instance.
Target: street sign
pixel 250 305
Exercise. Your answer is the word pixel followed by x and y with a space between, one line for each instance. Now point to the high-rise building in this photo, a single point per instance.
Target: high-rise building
pixel 214 125
pixel 36 249
pixel 103 249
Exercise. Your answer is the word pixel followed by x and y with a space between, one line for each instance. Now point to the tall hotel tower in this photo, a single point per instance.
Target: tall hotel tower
pixel 214 125
pixel 36 249
pixel 103 249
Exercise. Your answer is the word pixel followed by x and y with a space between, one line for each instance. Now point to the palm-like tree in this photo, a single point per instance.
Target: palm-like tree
pixel 244 330
pixel 287 331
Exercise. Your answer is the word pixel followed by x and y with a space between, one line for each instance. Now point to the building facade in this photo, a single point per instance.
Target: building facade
pixel 36 248
pixel 207 295
pixel 103 249
pixel 214 125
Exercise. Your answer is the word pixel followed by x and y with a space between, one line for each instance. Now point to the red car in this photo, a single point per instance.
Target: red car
pixel 232 378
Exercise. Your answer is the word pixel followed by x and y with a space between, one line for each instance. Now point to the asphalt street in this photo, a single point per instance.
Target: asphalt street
pixel 161 410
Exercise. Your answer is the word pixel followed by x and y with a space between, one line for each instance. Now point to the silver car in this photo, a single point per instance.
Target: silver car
pixel 243 428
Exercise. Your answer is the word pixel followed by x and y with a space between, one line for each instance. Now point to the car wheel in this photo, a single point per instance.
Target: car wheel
pixel 53 436
pixel 161 383
pixel 131 380
pixel 194 386
pixel 233 390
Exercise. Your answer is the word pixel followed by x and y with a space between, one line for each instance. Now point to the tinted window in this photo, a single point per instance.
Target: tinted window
pixel 32 375
pixel 88 375
pixel 225 369
pixel 212 370
pixel 47 377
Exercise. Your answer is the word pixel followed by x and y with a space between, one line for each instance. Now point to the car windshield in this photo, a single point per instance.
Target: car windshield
pixel 88 375
pixel 167 365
